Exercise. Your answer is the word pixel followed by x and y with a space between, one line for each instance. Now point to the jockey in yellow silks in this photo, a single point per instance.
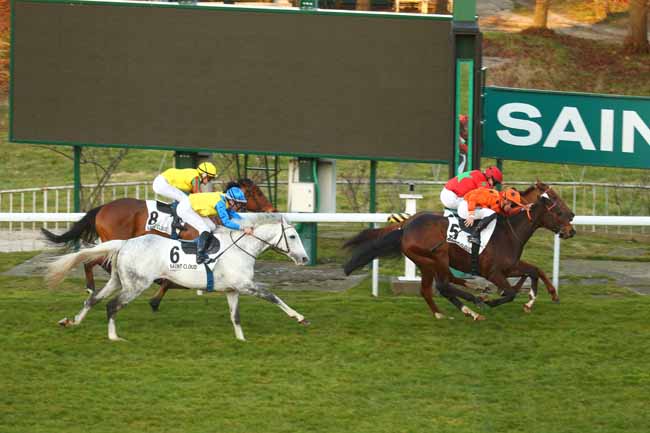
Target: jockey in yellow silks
pixel 176 184
pixel 225 205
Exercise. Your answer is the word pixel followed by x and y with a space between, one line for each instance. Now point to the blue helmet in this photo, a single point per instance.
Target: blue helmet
pixel 235 193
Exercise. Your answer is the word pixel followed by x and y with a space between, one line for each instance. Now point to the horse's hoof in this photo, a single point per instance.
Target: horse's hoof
pixel 479 318
pixel 305 322
pixel 90 291
pixel 116 338
pixel 65 322
pixel 528 309
pixel 154 307
pixel 555 299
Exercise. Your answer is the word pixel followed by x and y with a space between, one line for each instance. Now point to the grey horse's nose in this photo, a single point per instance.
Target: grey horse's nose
pixel 305 260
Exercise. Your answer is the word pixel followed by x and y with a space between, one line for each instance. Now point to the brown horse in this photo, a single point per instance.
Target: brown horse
pixel 422 238
pixel 126 218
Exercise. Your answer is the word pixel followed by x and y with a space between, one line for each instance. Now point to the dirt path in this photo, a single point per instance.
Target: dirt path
pixel 498 15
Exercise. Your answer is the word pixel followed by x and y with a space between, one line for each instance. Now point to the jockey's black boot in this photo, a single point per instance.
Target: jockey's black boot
pixel 475 237
pixel 201 243
pixel 475 249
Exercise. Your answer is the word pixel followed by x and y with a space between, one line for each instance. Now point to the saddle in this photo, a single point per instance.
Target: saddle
pixel 177 223
pixel 213 246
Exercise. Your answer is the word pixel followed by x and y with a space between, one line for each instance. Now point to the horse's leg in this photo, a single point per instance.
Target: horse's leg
pixel 155 301
pixel 90 278
pixel 478 300
pixel 426 291
pixel 442 284
pixel 113 306
pixel 272 298
pixel 550 288
pixel 95 297
pixel 502 283
pixel 437 264
pixel 233 303
pixel 443 274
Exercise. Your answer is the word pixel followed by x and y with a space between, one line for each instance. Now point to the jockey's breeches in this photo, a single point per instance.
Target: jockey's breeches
pixel 185 211
pixel 449 199
pixel 479 212
pixel 162 187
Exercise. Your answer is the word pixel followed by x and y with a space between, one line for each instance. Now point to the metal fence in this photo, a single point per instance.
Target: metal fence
pixel 585 198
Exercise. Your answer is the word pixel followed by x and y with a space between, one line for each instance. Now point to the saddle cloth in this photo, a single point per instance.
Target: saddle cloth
pixel 159 217
pixel 456 233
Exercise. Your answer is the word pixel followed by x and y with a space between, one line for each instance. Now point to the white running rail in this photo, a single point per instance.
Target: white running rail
pixel 375 218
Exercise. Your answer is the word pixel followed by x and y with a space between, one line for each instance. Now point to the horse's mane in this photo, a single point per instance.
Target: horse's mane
pixel 230 185
pixel 529 189
pixel 258 219
pixel 243 182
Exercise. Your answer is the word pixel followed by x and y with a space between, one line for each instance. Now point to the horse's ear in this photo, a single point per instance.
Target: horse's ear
pixel 541 185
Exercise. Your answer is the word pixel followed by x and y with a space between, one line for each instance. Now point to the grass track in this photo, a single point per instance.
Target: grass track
pixel 365 365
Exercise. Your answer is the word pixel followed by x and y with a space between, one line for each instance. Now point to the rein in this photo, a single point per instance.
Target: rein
pixel 234 242
pixel 274 247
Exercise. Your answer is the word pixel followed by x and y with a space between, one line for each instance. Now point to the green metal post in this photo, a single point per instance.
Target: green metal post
pixel 372 208
pixel 467 48
pixel 77 178
pixel 467 78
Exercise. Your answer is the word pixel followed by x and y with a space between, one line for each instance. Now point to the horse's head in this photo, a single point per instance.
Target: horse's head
pixel 555 214
pixel 282 237
pixel 256 200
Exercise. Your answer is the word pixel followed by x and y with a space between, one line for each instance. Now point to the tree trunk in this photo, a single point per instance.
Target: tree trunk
pixel 636 41
pixel 363 5
pixel 541 14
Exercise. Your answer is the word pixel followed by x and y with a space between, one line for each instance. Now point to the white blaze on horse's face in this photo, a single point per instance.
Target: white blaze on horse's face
pixel 296 250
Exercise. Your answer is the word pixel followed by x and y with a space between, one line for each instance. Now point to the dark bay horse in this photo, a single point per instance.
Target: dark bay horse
pixel 125 218
pixel 422 238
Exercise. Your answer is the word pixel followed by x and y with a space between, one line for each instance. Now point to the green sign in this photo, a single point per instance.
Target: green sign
pixel 571 128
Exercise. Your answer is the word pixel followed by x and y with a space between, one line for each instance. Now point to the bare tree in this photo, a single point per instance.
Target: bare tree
pixel 636 41
pixel 355 189
pixel 540 20
pixel 363 5
pixel 103 163
pixel 442 7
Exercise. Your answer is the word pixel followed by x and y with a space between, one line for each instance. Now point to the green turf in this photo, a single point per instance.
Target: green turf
pixel 364 365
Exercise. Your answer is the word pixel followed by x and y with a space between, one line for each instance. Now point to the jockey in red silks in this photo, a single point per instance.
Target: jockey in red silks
pixel 456 188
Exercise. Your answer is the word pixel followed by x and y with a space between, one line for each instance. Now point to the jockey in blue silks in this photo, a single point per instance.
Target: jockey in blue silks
pixel 225 204
pixel 232 201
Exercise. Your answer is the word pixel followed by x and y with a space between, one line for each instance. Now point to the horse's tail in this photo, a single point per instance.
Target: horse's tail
pixel 83 230
pixel 57 269
pixel 373 243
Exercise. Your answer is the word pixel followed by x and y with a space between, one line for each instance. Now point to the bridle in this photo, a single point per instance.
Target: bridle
pixel 554 203
pixel 275 247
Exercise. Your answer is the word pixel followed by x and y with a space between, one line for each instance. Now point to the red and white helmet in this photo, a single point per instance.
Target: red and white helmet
pixel 494 173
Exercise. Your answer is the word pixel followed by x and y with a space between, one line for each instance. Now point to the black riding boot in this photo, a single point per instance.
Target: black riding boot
pixel 475 237
pixel 201 243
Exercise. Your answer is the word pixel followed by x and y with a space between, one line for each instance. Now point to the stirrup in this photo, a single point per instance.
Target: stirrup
pixel 202 258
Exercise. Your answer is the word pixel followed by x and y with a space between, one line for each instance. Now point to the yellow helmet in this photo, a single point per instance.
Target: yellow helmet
pixel 208 169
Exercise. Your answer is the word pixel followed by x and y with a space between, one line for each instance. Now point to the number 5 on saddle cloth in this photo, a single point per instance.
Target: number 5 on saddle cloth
pixel 458 233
